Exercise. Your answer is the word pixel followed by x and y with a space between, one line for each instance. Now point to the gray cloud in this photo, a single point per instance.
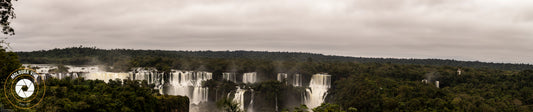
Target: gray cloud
pixel 485 30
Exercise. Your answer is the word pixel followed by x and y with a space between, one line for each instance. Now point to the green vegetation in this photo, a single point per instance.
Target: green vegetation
pixel 327 107
pixel 399 88
pixel 8 63
pixel 359 84
pixel 122 58
pixel 73 95
pixel 228 105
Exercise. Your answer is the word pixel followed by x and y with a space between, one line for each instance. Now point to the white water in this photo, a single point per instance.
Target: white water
pixel 250 77
pixel 105 76
pixel 282 76
pixel 143 74
pixel 62 75
pixel 317 91
pixel 229 76
pixel 199 95
pixel 182 83
pixel 239 97
pixel 189 83
pixel 251 105
pixel 297 80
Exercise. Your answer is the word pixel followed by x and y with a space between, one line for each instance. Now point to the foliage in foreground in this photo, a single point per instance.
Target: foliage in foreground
pixel 228 105
pixel 76 95
pixel 484 90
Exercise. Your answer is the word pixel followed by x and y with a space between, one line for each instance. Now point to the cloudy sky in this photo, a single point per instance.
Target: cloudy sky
pixel 484 30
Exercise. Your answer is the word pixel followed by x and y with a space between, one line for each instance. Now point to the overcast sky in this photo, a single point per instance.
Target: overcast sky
pixel 484 30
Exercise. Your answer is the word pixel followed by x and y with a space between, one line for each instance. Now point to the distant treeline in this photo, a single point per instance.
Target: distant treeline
pixel 117 57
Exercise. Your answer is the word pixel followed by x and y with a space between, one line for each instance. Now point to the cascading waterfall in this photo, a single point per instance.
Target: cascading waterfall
pixel 239 97
pixel 229 76
pixel 317 91
pixel 200 93
pixel 189 83
pixel 297 80
pixel 249 77
pixel 251 105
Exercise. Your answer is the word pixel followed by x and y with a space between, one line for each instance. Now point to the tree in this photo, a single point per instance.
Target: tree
pixel 228 105
pixel 8 60
pixel 8 63
pixel 327 107
pixel 301 108
pixel 6 12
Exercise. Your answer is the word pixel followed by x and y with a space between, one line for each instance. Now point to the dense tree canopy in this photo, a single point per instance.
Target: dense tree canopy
pixel 8 62
pixel 388 89
pixel 74 95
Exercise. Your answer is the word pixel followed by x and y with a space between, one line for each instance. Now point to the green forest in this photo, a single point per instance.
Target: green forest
pixel 115 57
pixel 358 84
pixel 75 95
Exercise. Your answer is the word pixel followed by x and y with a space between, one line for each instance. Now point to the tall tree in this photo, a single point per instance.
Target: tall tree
pixel 8 60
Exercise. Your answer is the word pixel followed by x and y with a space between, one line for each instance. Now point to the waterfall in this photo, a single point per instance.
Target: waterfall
pixel 239 97
pixel 297 80
pixel 317 91
pixel 199 95
pixel 249 77
pixel 182 82
pixel 282 76
pixel 105 76
pixel 229 76
pixel 189 83
pixel 251 105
